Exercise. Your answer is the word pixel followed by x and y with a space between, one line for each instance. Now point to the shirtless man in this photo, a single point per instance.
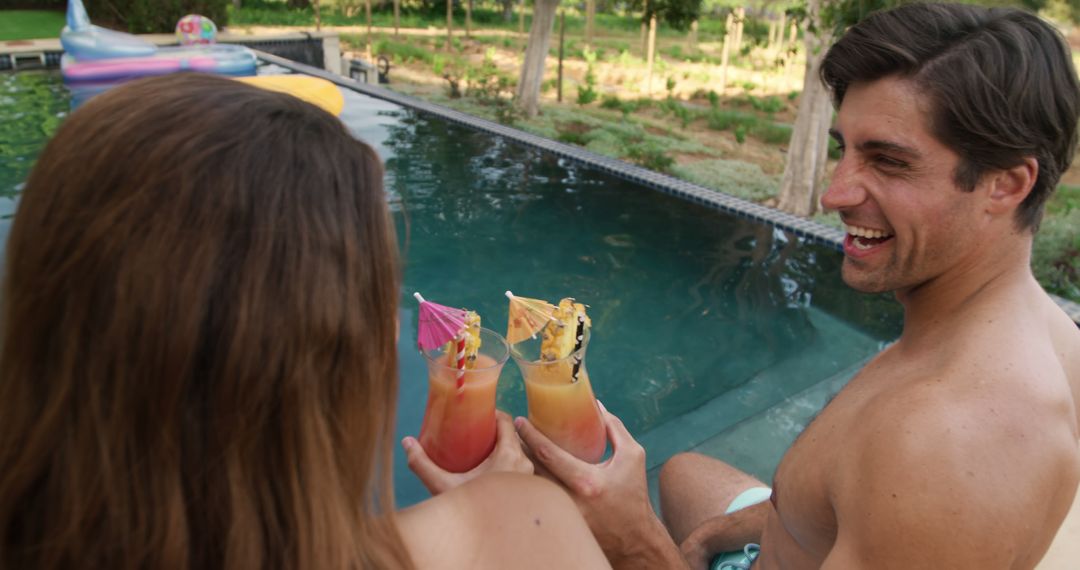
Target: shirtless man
pixel 957 446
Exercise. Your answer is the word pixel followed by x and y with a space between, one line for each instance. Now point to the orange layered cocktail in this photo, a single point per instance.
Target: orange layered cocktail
pixel 561 401
pixel 458 432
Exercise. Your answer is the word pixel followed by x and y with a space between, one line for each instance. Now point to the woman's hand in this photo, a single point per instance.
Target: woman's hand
pixel 507 456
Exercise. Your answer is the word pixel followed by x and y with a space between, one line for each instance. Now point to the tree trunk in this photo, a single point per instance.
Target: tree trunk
pixel 236 4
pixel 507 10
pixel 691 38
pixel 468 18
pixel 449 25
pixel 521 17
pixel 532 71
pixel 651 51
pixel 397 17
pixel 800 190
pixel 318 16
pixel 590 22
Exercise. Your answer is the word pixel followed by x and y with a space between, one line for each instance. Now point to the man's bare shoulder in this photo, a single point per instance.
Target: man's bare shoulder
pixel 977 445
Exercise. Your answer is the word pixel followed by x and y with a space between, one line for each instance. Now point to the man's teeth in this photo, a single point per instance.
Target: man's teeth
pixel 866 232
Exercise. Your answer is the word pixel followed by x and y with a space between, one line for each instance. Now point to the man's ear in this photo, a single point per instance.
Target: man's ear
pixel 1008 188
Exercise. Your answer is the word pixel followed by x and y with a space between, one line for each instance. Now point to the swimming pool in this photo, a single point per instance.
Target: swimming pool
pixel 710 332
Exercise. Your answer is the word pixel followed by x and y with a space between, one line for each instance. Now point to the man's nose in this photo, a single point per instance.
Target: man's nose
pixel 845 188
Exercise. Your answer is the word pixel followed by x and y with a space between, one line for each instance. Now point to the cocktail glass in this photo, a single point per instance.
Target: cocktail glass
pixel 458 431
pixel 562 408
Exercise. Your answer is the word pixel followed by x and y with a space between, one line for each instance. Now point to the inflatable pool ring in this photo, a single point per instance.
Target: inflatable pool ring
pixel 96 59
pixel 194 29
pixel 314 90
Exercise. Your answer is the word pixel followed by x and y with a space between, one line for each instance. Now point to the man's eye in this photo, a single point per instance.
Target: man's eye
pixel 889 162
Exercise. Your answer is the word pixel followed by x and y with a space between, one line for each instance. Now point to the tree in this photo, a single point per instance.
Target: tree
pixel 532 70
pixel 804 171
pixel 800 188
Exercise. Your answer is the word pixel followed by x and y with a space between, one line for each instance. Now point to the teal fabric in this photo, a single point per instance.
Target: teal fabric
pixel 745 557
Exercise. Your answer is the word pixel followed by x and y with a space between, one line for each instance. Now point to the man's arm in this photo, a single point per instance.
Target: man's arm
pixel 613 496
pixel 948 483
pixel 724 533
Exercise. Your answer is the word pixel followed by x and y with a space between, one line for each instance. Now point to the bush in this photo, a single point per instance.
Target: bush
pixel 1055 256
pixel 155 16
pixel 649 156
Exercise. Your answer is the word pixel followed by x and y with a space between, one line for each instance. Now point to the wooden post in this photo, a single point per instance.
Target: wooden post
pixel 367 11
pixel 691 40
pixel 590 22
pixel 449 25
pixel 397 17
pixel 651 54
pixel 740 17
pixel 562 38
pixel 644 28
pixel 728 29
pixel 780 29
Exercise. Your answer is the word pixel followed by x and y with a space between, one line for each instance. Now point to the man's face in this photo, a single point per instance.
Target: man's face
pixel 907 222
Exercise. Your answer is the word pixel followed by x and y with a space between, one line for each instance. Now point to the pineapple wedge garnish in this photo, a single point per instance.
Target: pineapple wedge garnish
pixel 472 341
pixel 560 335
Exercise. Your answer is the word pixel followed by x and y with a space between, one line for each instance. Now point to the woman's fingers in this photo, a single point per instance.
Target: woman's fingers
pixel 432 476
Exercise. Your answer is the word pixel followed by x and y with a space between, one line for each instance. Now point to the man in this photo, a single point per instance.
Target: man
pixel 957 446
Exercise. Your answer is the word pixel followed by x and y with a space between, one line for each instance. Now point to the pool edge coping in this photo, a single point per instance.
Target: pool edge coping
pixel 667 184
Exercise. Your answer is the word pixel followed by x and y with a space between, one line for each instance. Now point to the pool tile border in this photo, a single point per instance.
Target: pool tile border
pixel 801 227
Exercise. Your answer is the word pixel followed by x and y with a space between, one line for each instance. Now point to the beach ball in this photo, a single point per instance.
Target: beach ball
pixel 194 29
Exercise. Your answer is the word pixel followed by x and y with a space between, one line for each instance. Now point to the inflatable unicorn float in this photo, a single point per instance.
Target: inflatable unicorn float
pixel 96 58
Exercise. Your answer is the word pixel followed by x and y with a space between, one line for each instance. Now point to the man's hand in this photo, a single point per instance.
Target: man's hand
pixel 613 496
pixel 507 456
pixel 696 553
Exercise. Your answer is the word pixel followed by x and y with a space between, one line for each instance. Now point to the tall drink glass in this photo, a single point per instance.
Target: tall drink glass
pixel 458 432
pixel 563 409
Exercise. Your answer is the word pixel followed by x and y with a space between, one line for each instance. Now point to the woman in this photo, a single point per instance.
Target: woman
pixel 198 365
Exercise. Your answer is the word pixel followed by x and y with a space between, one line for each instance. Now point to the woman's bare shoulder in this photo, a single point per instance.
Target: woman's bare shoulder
pixel 500 520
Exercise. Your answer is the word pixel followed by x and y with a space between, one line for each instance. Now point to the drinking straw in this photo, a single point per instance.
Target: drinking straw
pixel 461 361
pixel 577 346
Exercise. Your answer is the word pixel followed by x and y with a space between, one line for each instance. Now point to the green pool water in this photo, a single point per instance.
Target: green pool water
pixel 710 332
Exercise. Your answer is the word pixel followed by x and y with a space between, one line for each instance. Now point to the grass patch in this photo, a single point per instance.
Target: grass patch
pixel 733 177
pixel 30 24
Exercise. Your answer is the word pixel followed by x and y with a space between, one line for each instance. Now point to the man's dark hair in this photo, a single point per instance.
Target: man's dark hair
pixel 1000 81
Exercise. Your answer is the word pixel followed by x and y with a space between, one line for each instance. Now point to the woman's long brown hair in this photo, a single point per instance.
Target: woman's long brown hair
pixel 198 364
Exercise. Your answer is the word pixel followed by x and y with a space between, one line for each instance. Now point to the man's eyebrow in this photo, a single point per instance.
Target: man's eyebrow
pixel 881 145
pixel 889 147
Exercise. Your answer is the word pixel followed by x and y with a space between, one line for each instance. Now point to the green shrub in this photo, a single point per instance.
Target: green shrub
pixel 611 102
pixel 772 133
pixel 588 94
pixel 714 99
pixel 740 133
pixel 1055 256
pixel 155 16
pixel 651 156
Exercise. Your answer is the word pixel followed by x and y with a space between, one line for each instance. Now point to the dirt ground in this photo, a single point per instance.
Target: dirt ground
pixel 626 79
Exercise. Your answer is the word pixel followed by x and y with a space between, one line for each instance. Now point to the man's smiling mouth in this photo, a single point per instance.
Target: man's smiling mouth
pixel 866 238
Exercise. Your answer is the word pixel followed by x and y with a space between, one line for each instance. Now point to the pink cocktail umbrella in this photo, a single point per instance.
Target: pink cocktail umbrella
pixel 439 325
